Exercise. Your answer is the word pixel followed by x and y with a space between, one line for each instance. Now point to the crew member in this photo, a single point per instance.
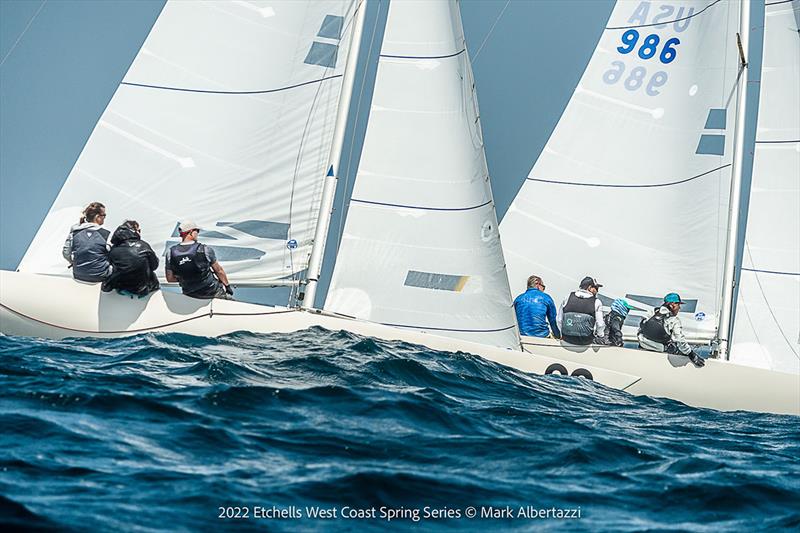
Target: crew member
pixel 535 309
pixel 662 331
pixel 615 319
pixel 86 247
pixel 133 260
pixel 580 317
pixel 194 266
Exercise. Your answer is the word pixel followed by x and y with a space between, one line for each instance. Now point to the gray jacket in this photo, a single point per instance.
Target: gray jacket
pixel 672 324
pixel 86 250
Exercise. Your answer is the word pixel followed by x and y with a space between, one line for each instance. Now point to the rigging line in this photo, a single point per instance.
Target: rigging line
pixel 209 91
pixel 626 186
pixel 491 30
pixel 772 313
pixel 426 328
pixel 665 22
pixel 355 125
pixel 425 57
pixel 779 2
pixel 421 207
pixel 298 159
pixel 771 272
pixel 14 46
pixel 777 142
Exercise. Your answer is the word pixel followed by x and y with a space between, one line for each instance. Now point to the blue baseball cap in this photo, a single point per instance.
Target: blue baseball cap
pixel 673 298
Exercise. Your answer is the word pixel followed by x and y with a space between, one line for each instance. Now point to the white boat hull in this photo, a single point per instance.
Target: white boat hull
pixel 53 307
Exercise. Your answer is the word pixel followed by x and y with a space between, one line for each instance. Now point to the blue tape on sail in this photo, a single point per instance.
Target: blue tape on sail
pixel 716 120
pixel 331 27
pixel 262 229
pixel 711 145
pixel 322 54
pixel 432 280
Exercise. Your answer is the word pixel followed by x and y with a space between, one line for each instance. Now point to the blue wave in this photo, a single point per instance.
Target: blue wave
pixel 156 432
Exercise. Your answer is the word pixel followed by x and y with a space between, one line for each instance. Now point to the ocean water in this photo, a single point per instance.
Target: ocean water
pixel 176 433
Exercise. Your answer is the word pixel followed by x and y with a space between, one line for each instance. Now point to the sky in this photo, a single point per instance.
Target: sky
pixel 62 60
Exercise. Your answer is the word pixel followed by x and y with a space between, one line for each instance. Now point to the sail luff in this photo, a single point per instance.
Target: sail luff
pixel 735 242
pixel 420 247
pixel 329 187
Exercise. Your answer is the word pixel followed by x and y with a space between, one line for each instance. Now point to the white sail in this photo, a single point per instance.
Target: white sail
pixel 225 117
pixel 767 327
pixel 420 247
pixel 632 185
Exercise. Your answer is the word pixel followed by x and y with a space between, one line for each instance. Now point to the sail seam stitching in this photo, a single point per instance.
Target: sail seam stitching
pixel 209 91
pixel 666 21
pixel 424 57
pixel 628 186
pixel 421 207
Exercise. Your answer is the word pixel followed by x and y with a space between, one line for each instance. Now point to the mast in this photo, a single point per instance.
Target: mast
pixel 329 187
pixel 734 204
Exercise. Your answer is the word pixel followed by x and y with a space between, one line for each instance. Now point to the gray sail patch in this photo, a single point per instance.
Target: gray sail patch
pixel 211 234
pixel 689 306
pixel 226 253
pixel 432 280
pixel 711 145
pixel 331 27
pixel 716 119
pixel 235 253
pixel 263 229
pixel 322 54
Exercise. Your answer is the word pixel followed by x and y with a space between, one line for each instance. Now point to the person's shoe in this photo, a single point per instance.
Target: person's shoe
pixel 697 360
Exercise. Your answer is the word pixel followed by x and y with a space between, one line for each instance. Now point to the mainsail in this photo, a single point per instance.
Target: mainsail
pixel 767 327
pixel 420 247
pixel 632 187
pixel 226 118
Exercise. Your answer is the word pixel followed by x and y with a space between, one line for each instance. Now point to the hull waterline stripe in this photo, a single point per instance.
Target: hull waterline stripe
pixel 425 57
pixel 665 21
pixel 448 329
pixel 208 91
pixel 771 272
pixel 421 207
pixel 628 186
pixel 210 314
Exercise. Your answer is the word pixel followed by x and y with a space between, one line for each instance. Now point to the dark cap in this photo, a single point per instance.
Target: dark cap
pixel 588 282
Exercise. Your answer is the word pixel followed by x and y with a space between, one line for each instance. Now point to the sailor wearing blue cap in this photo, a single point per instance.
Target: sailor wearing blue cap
pixel 663 332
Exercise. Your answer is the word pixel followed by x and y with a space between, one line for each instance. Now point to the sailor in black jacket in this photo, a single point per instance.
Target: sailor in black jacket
pixel 133 261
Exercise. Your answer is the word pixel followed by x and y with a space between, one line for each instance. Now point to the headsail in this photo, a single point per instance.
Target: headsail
pixel 225 117
pixel 767 327
pixel 420 247
pixel 632 185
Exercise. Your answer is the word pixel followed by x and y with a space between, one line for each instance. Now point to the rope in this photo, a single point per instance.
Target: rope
pixel 14 46
pixel 491 30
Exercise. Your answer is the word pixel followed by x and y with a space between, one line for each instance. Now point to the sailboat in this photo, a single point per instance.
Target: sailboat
pixel 251 150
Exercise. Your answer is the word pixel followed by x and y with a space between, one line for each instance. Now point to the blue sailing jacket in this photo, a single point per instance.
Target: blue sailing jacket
pixel 534 309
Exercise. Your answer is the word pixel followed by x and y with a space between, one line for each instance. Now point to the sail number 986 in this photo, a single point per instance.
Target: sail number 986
pixel 649 46
pixel 636 78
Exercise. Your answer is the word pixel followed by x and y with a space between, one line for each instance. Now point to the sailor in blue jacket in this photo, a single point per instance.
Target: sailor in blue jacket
pixel 534 309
